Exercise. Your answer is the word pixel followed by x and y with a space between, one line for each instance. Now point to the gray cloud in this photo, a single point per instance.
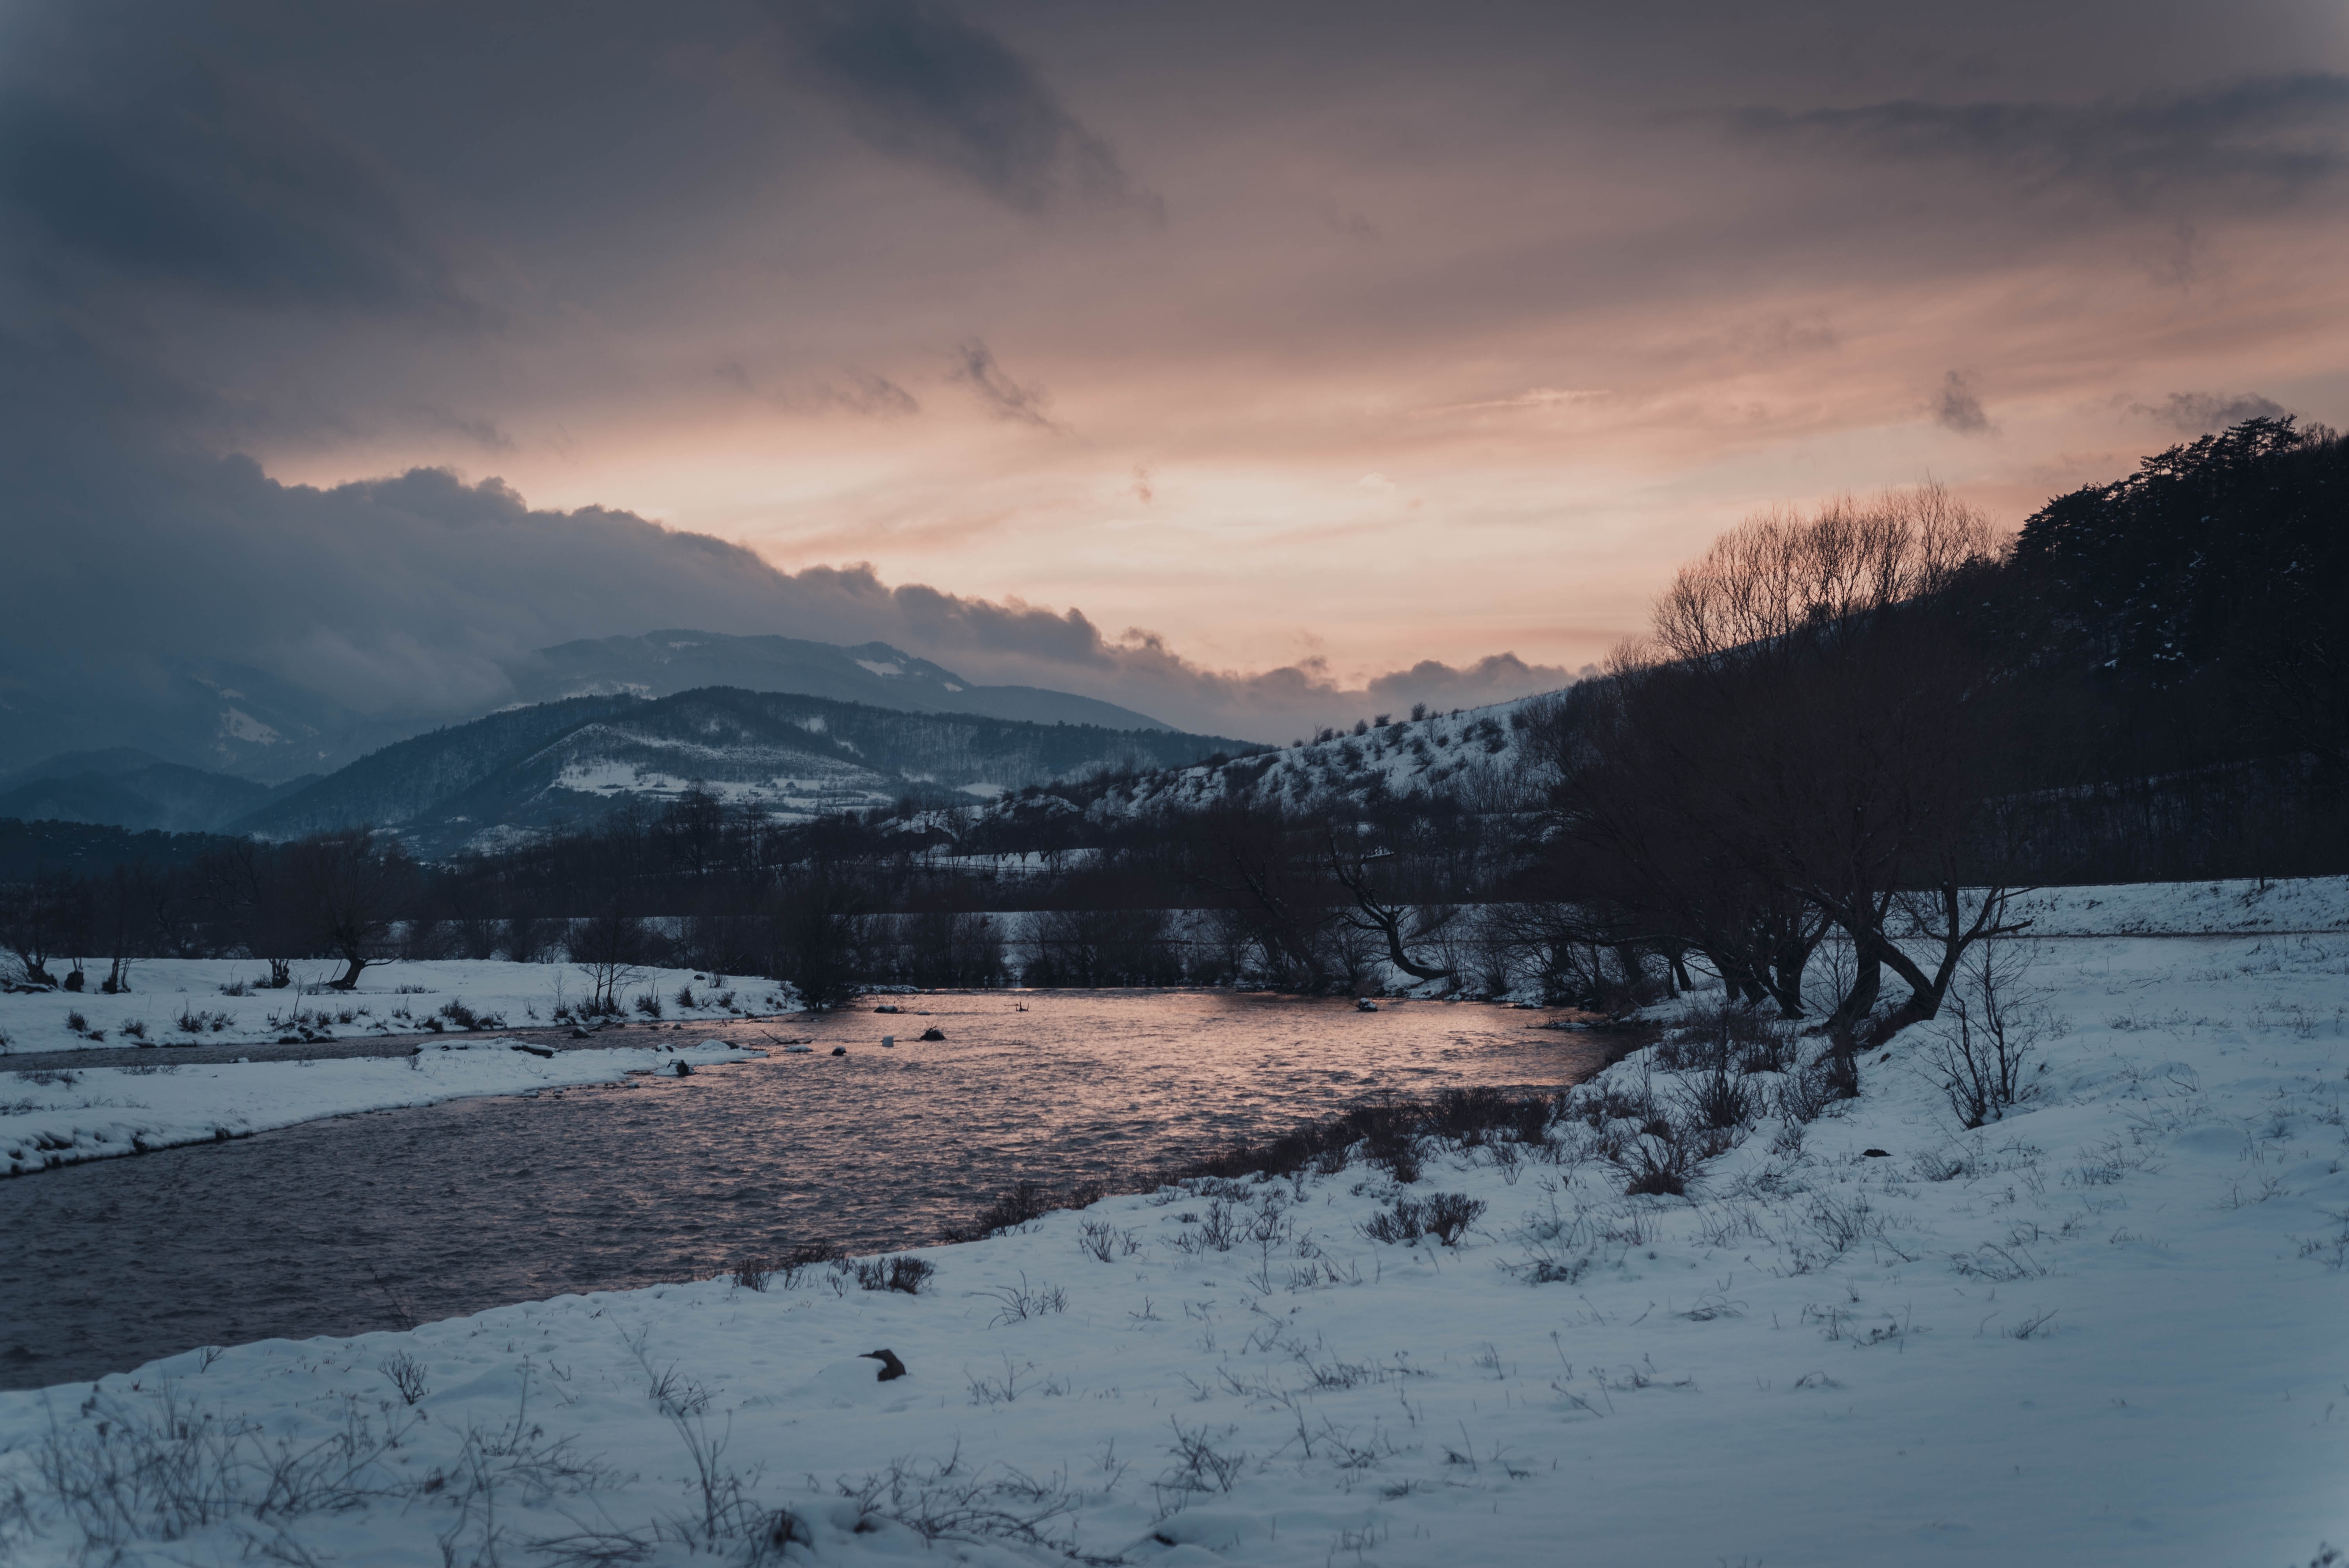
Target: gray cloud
pixel 1494 678
pixel 1955 407
pixel 976 368
pixel 2198 413
pixel 2268 140
pixel 919 82
pixel 861 392
pixel 850 391
pixel 483 432
pixel 183 176
pixel 409 597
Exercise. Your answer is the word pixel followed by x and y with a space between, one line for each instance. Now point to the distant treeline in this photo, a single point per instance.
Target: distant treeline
pixel 1840 728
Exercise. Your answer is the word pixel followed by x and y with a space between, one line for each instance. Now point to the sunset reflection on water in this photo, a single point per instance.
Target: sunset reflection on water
pixel 339 1226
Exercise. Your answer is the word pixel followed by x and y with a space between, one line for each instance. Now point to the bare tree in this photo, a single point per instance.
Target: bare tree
pixel 1352 865
pixel 1809 737
pixel 346 888
pixel 245 889
pixel 1269 871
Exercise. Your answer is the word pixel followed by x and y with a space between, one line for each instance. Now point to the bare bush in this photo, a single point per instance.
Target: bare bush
pixel 1721 1098
pixel 1980 1052
pixel 1021 1301
pixel 1658 1162
pixel 903 1273
pixel 407 1375
pixel 1103 1240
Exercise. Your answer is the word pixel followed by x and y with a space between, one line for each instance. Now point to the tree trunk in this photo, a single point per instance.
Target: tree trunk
pixel 1867 984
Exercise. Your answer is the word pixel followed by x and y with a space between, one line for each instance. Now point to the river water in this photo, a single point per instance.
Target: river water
pixel 356 1223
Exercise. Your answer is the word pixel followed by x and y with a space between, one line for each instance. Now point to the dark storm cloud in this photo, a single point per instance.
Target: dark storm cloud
pixel 413 597
pixel 976 368
pixel 2263 140
pixel 182 177
pixel 2198 413
pixel 919 82
pixel 1955 407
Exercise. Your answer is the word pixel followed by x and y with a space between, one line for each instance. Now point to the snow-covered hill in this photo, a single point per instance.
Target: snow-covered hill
pixel 798 755
pixel 1474 756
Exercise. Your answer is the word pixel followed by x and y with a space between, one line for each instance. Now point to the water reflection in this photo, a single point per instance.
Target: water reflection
pixel 336 1227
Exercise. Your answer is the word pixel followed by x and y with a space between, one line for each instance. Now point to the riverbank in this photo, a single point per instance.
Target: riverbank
pixel 204 1006
pixel 2105 1329
pixel 63 1116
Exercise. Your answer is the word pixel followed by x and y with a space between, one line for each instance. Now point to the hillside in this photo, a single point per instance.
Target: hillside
pixel 1470 759
pixel 160 795
pixel 575 760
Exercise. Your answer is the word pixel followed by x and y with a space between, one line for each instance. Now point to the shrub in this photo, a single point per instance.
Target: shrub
pixel 1449 1215
pixel 1390 1138
pixel 899 1274
pixel 1656 1163
pixel 1444 1215
pixel 649 1004
pixel 1980 1050
pixel 1720 1098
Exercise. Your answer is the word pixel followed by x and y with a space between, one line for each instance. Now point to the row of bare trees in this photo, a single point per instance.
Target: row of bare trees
pixel 1808 740
pixel 330 894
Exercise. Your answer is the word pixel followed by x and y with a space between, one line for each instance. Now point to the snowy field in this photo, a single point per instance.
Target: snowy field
pixel 64 1117
pixel 216 1001
pixel 2105 1329
pixel 2189 909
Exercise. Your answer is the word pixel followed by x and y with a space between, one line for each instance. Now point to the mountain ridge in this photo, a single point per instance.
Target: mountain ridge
pixel 548 765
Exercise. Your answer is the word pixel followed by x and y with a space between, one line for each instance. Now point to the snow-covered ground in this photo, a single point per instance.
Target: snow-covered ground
pixel 2106 1330
pixel 216 1001
pixel 2187 909
pixel 61 1118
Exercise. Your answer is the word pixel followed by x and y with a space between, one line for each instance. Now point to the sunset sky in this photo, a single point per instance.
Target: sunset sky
pixel 1307 342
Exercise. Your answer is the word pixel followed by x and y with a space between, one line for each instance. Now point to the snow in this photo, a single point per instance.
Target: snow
pixel 1475 748
pixel 882 666
pixel 62 1117
pixel 243 726
pixel 2105 1330
pixel 2300 903
pixel 398 997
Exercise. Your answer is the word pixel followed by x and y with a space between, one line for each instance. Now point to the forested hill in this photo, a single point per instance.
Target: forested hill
pixel 2232 550
pixel 2169 654
pixel 796 756
pixel 2191 617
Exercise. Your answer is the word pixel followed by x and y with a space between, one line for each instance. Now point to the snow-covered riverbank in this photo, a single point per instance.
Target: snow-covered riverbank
pixel 176 1002
pixel 64 1117
pixel 2106 1330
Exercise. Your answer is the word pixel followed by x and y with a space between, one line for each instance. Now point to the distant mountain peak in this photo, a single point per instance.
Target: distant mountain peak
pixel 662 663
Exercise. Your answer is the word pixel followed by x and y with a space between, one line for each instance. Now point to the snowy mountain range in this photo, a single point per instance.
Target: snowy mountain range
pixel 575 760
pixel 204 747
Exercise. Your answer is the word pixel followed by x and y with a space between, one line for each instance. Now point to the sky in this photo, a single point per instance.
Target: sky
pixel 1256 368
